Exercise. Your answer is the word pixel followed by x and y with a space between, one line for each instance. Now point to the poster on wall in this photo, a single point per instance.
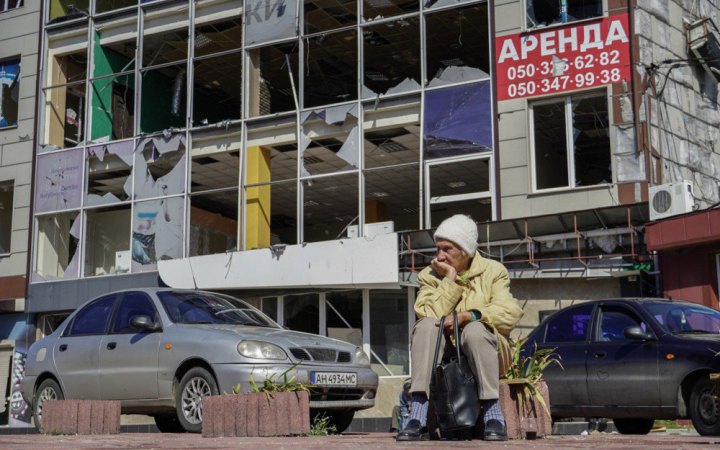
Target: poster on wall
pixel 59 181
pixel 563 59
pixel 9 92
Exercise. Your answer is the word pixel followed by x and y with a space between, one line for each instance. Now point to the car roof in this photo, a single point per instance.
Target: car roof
pixel 642 300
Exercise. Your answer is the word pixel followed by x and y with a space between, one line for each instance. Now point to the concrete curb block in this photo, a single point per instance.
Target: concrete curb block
pixel 80 417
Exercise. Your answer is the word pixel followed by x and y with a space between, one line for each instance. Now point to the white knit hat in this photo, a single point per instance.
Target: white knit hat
pixel 461 230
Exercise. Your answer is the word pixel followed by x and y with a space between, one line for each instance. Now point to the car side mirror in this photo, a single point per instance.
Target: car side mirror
pixel 143 323
pixel 637 333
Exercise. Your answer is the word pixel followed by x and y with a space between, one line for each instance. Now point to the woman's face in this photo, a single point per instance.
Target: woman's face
pixel 450 253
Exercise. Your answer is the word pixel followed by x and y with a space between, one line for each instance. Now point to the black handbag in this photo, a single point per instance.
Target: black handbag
pixel 453 391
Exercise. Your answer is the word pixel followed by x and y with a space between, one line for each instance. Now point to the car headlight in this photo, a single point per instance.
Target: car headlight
pixel 260 350
pixel 361 358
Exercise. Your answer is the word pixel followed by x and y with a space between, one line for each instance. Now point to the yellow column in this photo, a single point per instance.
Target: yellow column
pixel 257 212
pixel 374 210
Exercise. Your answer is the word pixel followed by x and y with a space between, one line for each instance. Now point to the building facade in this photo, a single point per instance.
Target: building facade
pixel 297 153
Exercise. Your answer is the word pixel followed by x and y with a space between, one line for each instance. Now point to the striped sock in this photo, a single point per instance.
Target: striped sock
pixel 493 411
pixel 419 407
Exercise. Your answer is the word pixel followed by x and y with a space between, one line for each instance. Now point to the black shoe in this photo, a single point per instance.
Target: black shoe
pixel 413 431
pixel 495 431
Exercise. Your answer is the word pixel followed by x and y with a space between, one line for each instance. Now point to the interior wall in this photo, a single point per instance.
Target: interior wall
pixel 107 233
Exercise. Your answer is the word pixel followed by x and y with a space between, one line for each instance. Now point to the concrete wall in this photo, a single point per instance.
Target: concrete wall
pixel 19 34
pixel 684 116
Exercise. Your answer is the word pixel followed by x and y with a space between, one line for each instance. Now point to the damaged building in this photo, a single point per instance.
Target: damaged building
pixel 298 153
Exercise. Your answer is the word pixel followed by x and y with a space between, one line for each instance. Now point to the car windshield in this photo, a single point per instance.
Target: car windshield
pixel 679 318
pixel 210 308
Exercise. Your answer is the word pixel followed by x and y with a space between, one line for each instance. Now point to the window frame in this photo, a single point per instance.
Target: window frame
pixel 616 308
pixel 588 332
pixel 12 59
pixel 118 304
pixel 4 7
pixel 10 183
pixel 526 27
pixel 567 99
pixel 67 332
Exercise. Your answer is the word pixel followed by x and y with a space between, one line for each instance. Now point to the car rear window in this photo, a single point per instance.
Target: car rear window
pixel 211 308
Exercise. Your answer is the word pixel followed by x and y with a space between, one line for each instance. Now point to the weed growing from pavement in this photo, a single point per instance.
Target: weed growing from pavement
pixel 321 426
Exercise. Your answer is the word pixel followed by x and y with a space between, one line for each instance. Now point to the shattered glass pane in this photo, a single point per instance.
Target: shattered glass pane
pixel 217 89
pixel 58 241
pixel 65 116
pixel 458 120
pixel 330 69
pixel 391 57
pixel 213 222
pixel 107 248
pixel 279 136
pixel 160 164
pixel 58 180
pixel 591 136
pixel 166 47
pixel 330 205
pixel 218 37
pixel 64 10
pixel 393 195
pixel 458 45
pixel 428 4
pixel 102 6
pixel 215 160
pixel 163 103
pixel 479 209
pixel 271 88
pixel 380 9
pixel 466 177
pixel 157 232
pixel 550 145
pixel 389 141
pixel 113 52
pixel 282 211
pixel 113 108
pixel 109 169
pixel 330 140
pixel 325 15
pixel 270 20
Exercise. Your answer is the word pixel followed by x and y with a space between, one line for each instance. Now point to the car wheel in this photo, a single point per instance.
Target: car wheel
pixel 633 426
pixel 168 424
pixel 340 419
pixel 196 384
pixel 48 390
pixel 705 408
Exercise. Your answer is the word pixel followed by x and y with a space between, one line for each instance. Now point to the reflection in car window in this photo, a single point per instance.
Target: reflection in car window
pixel 205 307
pixel 133 304
pixel 681 318
pixel 570 326
pixel 614 323
pixel 92 319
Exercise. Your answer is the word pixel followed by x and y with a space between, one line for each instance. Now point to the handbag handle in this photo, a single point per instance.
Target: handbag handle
pixel 439 336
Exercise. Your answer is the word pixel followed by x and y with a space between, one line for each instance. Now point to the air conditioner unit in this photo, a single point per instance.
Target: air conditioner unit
pixel 671 199
pixel 372 229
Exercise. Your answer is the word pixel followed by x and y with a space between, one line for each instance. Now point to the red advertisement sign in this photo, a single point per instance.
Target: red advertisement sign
pixel 563 59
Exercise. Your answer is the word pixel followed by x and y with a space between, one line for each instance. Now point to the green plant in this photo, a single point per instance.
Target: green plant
pixel 272 385
pixel 525 372
pixel 321 426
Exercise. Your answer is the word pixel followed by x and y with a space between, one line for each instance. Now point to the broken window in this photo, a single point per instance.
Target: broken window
pixel 109 170
pixel 213 222
pixel 571 144
pixel 392 132
pixel 380 9
pixel 9 92
pixel 102 6
pixel 393 195
pixel 163 103
pixel 458 120
pixel 549 12
pixel 458 45
pixel 389 337
pixel 57 246
pixel 270 20
pixel 271 85
pixel 58 180
pixel 330 68
pixel 63 10
pixel 330 140
pixel 113 108
pixel 107 241
pixel 278 135
pixel 325 15
pixel 7 189
pixel 215 160
pixel 65 100
pixel 216 37
pixel 160 164
pixel 165 47
pixel 428 4
pixel 391 55
pixel 302 312
pixel 217 89
pixel 157 232
pixel 344 316
pixel 460 187
pixel 330 206
pixel 270 214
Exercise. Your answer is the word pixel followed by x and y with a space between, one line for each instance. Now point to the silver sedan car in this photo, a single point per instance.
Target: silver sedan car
pixel 160 351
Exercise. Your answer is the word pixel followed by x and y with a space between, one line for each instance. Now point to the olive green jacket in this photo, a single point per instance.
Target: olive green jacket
pixel 485 286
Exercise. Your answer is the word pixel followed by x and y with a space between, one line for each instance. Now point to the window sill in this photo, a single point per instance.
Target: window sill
pixel 564 190
pixel 5 255
pixel 11 127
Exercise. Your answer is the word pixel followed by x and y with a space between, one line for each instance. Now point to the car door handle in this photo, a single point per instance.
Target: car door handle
pixel 63 347
pixel 111 345
pixel 600 355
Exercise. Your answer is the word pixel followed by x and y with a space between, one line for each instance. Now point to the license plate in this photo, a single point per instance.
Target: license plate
pixel 334 378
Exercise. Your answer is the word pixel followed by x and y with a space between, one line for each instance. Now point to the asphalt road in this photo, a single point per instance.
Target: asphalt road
pixel 655 441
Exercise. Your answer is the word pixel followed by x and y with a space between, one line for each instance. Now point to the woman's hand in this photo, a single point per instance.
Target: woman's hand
pixel 444 269
pixel 464 318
